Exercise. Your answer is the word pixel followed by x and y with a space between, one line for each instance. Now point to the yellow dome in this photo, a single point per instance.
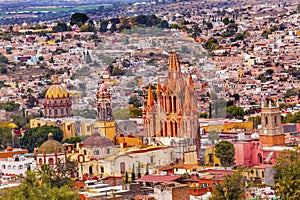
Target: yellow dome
pixel 56 90
pixel 51 146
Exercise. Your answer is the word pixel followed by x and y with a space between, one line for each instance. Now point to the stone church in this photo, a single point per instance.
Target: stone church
pixel 172 119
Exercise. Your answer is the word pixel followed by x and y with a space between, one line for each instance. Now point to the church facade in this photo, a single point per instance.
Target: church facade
pixel 172 119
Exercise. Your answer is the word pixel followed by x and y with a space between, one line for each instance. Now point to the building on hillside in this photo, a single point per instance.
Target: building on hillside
pixel 173 118
pixel 17 165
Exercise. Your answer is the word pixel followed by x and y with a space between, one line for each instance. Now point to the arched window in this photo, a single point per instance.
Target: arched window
pixel 122 167
pixel 266 119
pixel 84 152
pixel 20 167
pixel 91 169
pixel 259 157
pixel 40 161
pixel 8 167
pixel 152 159
pixel 14 167
pixel 50 161
pixel 3 166
pixel 108 151
pixel 96 152
pixel 174 103
pixel 275 120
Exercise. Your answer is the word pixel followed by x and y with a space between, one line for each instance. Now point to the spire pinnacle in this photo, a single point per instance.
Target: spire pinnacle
pixel 150 100
pixel 191 83
pixel 55 78
pixel 173 62
pixel 158 88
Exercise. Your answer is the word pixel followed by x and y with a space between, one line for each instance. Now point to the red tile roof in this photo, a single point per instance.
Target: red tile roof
pixel 158 178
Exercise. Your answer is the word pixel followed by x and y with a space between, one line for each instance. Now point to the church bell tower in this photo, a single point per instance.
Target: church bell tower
pixel 271 132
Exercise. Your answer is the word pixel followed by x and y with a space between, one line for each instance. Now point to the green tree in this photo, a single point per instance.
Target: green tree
pixel 5 134
pixel 121 114
pixel 203 115
pixel 236 111
pixel 212 44
pixel 289 93
pixel 139 170
pixel 135 112
pixel 239 36
pixel 103 26
pixel 35 187
pixel 133 99
pixel 209 25
pixel 141 19
pixel 256 120
pixel 213 137
pixel 225 151
pixel 164 24
pixel 72 140
pixel 226 20
pixel 126 177
pixel 35 137
pixel 287 177
pixel 79 19
pixel 132 174
pixel 147 169
pixel 10 106
pixel 231 188
pixel 232 28
pixel 61 27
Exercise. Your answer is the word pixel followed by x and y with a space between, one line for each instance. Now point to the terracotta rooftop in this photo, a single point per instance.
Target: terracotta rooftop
pixel 158 178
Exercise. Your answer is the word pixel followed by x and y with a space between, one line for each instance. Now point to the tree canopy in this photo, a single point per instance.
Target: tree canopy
pixel 79 19
pixel 225 151
pixel 35 137
pixel 236 111
pixel 47 183
pixel 287 177
pixel 10 106
pixel 232 188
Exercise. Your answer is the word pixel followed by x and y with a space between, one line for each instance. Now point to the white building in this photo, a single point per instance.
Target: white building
pixel 16 165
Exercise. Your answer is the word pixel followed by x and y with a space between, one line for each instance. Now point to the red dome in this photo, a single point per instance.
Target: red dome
pixel 96 140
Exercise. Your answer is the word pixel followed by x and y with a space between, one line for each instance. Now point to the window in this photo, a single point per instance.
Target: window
pixel 210 158
pixel 3 166
pixel 84 152
pixel 107 151
pixel 62 111
pixel 20 167
pixel 96 152
pixel 14 167
pixel 122 167
pixel 55 112
pixel 50 161
pixel 102 169
pixel 69 127
pixel 266 119
pixel 40 161
pixel 8 167
pixel 152 159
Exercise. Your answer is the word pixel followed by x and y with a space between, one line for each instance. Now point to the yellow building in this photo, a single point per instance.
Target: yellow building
pixel 222 125
pixel 71 126
pixel 107 129
pixel 210 157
